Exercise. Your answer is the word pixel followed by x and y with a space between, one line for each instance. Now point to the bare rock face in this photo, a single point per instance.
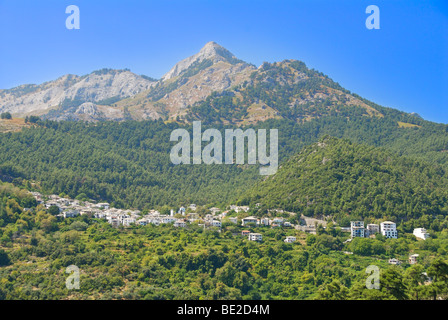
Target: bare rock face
pixel 221 76
pixel 211 51
pixel 88 108
pixel 120 94
pixel 99 86
pixel 95 87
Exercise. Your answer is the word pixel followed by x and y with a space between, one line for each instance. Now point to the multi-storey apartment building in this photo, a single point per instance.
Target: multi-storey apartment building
pixel 389 229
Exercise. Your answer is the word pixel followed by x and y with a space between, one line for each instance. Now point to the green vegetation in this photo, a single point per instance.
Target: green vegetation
pixel 148 78
pixel 20 90
pixel 196 67
pixel 161 89
pixel 216 108
pixel 6 115
pixel 163 262
pixel 109 71
pixel 128 165
pixel 109 101
pixel 31 119
pixel 344 180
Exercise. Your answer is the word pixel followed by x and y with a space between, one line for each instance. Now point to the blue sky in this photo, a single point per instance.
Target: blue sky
pixel 403 65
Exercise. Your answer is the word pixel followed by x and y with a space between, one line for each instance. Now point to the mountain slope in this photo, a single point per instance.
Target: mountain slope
pixel 125 163
pixel 286 89
pixel 70 91
pixel 213 69
pixel 340 178
pixel 193 90
pixel 212 52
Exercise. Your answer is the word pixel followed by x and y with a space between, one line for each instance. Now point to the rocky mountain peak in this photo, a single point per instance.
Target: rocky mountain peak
pixel 211 51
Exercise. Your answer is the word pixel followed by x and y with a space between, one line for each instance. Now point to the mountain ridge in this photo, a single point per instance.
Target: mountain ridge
pixel 193 89
pixel 211 51
pixel 59 99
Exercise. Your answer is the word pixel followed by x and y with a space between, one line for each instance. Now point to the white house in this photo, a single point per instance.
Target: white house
pixel 113 220
pixel 104 205
pixel 180 224
pixel 233 220
pixel 389 229
pixel 49 204
pixel 278 221
pixel 413 258
pixel 290 239
pixel 128 221
pixel 371 229
pixel 71 213
pixel 394 261
pixel 238 209
pixel 357 229
pixel 255 237
pixel 214 210
pixel 247 220
pixel 142 222
pixel 99 215
pixel 216 223
pixel 242 208
pixel 38 197
pixel 168 219
pixel 421 233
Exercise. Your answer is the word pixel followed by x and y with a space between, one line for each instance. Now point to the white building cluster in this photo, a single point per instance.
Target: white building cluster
pixel 387 229
pixel 71 208
pixel 290 239
pixel 239 209
pixel 257 222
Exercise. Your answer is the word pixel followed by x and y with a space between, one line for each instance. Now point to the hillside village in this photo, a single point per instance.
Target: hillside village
pixel 69 208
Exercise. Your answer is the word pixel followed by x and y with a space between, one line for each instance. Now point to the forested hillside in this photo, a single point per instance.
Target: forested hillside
pixel 125 163
pixel 164 262
pixel 128 163
pixel 349 181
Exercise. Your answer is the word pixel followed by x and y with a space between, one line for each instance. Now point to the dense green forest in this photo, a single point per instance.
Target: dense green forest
pixel 127 163
pixel 349 181
pixel 162 262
